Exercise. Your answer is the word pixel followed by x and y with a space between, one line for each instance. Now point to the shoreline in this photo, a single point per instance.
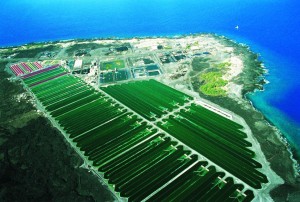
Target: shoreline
pixel 294 157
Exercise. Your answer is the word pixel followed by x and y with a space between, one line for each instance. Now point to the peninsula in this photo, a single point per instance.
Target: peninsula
pixel 152 118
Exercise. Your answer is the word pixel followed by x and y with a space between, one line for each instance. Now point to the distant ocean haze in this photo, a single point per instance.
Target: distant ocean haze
pixel 270 28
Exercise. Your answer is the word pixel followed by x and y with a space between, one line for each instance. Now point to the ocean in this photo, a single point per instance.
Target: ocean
pixel 269 27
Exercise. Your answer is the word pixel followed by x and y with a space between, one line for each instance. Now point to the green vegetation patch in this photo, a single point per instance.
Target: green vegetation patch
pixel 117 64
pixel 213 83
pixel 223 65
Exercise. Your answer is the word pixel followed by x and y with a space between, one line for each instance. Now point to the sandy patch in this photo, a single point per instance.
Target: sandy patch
pixel 233 90
pixel 234 69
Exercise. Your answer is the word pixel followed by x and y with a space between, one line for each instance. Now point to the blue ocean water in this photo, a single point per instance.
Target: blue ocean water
pixel 269 27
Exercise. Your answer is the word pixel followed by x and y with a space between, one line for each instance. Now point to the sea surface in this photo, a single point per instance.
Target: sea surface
pixel 269 27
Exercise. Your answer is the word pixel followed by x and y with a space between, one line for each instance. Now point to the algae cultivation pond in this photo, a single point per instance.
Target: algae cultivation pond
pixel 145 139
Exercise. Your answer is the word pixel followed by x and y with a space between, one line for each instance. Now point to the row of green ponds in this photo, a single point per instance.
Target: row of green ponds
pixel 137 160
pixel 44 76
pixel 145 97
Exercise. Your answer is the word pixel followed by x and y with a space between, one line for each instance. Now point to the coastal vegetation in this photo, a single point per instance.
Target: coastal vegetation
pixel 207 76
pixel 213 84
pixel 223 65
pixel 252 76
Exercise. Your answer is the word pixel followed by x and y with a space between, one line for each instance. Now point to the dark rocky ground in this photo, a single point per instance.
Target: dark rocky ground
pixel 36 163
